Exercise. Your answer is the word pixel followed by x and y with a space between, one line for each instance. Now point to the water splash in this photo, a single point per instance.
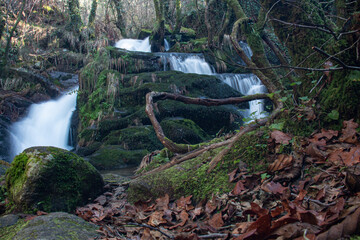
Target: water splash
pixel 189 63
pixel 47 124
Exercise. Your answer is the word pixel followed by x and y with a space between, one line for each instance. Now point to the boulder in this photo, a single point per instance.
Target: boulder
pixel 57 225
pixel 115 157
pixel 51 179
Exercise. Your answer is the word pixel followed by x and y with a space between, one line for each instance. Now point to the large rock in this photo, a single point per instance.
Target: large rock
pixel 51 179
pixel 58 225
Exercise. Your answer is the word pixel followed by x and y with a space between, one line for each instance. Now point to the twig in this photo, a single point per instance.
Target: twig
pixel 150 227
pixel 315 201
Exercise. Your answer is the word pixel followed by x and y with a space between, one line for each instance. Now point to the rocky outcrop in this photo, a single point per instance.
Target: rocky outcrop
pixel 51 179
pixel 57 225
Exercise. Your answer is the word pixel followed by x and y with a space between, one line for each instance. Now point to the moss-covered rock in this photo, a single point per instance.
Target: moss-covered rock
pixel 51 179
pixel 132 138
pixel 183 131
pixel 115 157
pixel 58 225
pixel 191 177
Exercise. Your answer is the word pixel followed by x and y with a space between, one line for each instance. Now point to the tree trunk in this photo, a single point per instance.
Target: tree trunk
pixel 158 33
pixel 120 21
pixel 209 28
pixel 11 34
pixel 178 17
pixel 92 13
pixel 2 20
pixel 75 18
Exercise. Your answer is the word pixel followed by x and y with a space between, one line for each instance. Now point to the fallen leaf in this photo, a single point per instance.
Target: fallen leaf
pixel 347 227
pixel 210 206
pixel 280 137
pixel 326 134
pixel 162 203
pixel 282 161
pixel 349 132
pixel 184 216
pixel 156 218
pixel 216 221
pixel 239 187
pixel 184 203
pixel 274 188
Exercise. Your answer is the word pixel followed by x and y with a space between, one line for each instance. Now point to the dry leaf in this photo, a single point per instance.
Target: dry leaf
pixel 280 137
pixel 282 161
pixel 216 221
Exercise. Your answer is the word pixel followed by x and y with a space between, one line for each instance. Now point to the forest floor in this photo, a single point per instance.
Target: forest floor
pixel 320 201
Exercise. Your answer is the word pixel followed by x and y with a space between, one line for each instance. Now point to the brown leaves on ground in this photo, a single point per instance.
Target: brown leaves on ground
pixel 314 204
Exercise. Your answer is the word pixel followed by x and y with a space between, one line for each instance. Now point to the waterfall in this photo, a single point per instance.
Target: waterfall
pixel 246 84
pixel 47 124
pixel 134 45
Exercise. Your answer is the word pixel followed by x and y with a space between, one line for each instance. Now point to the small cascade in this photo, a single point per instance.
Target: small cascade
pixel 166 45
pixel 47 124
pixel 134 45
pixel 247 84
pixel 246 49
pixel 189 63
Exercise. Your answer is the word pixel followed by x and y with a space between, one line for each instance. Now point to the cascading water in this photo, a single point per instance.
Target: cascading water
pixel 47 124
pixel 246 84
pixel 189 63
pixel 134 45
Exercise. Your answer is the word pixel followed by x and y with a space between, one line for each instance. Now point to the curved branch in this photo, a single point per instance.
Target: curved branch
pixel 183 148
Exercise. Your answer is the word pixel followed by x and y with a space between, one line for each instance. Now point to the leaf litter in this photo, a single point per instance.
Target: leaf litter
pixel 323 202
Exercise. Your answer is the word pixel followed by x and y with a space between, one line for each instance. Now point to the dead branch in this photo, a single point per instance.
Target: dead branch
pixel 345 66
pixel 183 148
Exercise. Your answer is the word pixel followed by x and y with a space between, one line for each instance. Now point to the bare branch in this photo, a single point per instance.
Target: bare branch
pixel 336 59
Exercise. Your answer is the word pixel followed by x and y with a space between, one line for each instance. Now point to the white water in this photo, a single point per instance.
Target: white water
pixel 47 124
pixel 188 63
pixel 246 84
pixel 166 45
pixel 134 45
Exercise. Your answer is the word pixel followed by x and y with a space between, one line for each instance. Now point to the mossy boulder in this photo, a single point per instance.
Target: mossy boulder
pixel 183 131
pixel 191 177
pixel 51 179
pixel 57 225
pixel 115 157
pixel 132 138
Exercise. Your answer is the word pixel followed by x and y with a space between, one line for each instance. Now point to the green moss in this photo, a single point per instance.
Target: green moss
pixel 115 157
pixel 183 131
pixel 191 177
pixel 8 233
pixel 342 95
pixel 187 178
pixel 132 138
pixel 50 179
